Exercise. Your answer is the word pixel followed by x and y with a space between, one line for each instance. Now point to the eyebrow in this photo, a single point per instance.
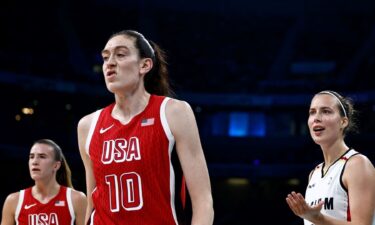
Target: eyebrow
pixel 323 107
pixel 115 48
pixel 39 154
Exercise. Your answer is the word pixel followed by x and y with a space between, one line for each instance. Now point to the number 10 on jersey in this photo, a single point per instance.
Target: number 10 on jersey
pixel 127 189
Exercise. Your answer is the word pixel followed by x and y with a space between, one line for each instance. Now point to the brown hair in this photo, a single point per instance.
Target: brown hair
pixel 64 174
pixel 157 79
pixel 346 108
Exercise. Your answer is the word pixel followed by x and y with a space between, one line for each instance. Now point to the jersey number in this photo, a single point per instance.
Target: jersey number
pixel 126 189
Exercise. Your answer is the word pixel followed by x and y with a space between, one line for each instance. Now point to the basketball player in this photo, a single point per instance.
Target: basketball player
pixel 52 200
pixel 127 147
pixel 341 190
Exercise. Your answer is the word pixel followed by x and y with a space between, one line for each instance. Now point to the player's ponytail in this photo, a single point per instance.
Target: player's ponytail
pixel 64 174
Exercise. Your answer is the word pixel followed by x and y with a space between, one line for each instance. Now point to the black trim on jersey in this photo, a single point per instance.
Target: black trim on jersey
pixel 342 172
pixel 333 163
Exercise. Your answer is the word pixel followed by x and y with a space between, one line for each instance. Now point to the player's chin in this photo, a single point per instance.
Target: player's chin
pixel 35 175
pixel 35 178
pixel 318 140
pixel 113 87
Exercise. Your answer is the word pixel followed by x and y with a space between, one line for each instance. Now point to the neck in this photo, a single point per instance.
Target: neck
pixel 44 192
pixel 333 152
pixel 129 106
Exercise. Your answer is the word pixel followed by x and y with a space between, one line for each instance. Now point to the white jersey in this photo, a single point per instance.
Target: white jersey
pixel 330 189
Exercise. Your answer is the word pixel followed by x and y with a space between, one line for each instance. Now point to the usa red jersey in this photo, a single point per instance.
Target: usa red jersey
pixel 58 211
pixel 133 169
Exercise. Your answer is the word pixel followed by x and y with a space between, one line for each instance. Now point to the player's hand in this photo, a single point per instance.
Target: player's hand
pixel 299 207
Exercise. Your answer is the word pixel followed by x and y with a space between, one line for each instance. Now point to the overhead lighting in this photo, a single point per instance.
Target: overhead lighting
pixel 238 181
pixel 27 111
pixel 294 182
pixel 18 117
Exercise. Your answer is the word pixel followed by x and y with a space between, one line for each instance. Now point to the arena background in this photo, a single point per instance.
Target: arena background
pixel 248 68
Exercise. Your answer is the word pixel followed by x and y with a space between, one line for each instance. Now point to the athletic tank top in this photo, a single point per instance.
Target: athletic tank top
pixel 133 169
pixel 58 211
pixel 330 189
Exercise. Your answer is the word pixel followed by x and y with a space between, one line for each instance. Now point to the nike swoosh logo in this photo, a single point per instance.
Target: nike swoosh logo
pixel 29 206
pixel 103 130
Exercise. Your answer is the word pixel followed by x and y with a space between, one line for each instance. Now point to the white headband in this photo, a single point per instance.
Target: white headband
pixel 330 93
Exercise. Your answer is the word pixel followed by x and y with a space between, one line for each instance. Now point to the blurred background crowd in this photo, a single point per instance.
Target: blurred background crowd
pixel 248 68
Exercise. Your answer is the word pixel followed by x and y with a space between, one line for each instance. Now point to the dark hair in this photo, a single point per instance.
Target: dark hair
pixel 348 106
pixel 64 174
pixel 156 80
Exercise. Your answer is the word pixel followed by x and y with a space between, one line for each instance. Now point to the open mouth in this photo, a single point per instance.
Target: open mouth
pixel 318 128
pixel 110 73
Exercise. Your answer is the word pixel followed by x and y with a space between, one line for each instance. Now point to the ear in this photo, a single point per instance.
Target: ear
pixel 146 65
pixel 57 165
pixel 344 122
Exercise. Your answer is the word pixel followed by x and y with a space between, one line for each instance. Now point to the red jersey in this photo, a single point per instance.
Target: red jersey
pixel 58 211
pixel 133 169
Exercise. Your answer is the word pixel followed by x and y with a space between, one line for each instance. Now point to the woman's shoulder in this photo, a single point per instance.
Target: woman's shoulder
pixel 78 194
pixel 359 159
pixel 9 208
pixel 12 199
pixel 79 199
pixel 178 105
pixel 85 121
pixel 359 165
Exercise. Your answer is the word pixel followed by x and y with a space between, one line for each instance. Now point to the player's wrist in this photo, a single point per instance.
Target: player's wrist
pixel 318 219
